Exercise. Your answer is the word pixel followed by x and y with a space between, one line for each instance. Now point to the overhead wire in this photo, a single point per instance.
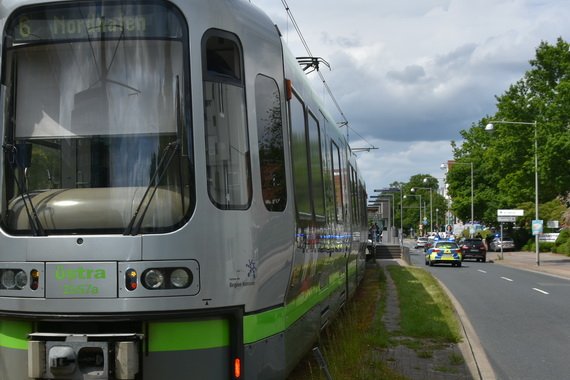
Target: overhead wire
pixel 321 76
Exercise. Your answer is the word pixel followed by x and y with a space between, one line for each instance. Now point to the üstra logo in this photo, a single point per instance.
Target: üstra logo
pixel 62 273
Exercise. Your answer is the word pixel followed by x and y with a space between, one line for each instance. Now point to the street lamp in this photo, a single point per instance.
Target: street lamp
pixel 413 190
pixel 489 128
pixel 437 219
pixel 419 195
pixel 443 166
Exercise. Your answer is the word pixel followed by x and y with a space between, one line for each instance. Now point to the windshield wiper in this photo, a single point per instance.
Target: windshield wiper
pixel 161 169
pixel 33 219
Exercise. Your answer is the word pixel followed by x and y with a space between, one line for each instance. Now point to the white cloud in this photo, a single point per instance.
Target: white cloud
pixel 409 75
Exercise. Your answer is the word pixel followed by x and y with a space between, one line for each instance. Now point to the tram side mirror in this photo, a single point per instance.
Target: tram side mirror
pixel 24 154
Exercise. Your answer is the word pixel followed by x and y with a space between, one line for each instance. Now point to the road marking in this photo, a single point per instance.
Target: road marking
pixel 540 291
pixel 482 271
pixel 507 279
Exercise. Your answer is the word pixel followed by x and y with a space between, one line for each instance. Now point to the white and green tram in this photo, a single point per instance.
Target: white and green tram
pixel 175 201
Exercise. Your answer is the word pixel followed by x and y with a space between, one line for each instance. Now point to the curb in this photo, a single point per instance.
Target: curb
pixel 559 268
pixel 471 348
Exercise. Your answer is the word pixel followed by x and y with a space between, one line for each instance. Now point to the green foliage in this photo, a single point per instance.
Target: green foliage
pixel 411 202
pixel 564 236
pixel 348 354
pixel 544 246
pixel 553 210
pixel 486 233
pixel 504 161
pixel 425 310
pixel 562 244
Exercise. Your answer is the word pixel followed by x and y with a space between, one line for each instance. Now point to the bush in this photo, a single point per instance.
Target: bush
pixel 564 237
pixel 562 249
pixel 562 244
pixel 544 246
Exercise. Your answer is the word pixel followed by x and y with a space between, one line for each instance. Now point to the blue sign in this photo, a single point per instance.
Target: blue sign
pixel 537 227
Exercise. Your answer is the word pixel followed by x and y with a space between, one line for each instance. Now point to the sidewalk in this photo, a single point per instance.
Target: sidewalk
pixel 550 263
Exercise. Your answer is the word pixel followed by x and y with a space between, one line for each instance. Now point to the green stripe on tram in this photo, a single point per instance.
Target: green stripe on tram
pixel 181 336
pixel 193 335
pixel 262 325
pixel 14 334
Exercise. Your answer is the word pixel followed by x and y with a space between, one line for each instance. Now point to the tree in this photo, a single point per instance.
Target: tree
pixel 411 206
pixel 504 162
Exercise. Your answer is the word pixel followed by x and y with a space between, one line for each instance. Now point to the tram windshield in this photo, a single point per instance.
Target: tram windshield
pixel 95 136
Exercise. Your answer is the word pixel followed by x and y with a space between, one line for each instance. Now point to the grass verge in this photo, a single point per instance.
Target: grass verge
pixel 351 345
pixel 354 343
pixel 425 309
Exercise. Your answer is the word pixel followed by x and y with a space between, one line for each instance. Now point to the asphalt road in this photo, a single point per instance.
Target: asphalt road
pixel 522 318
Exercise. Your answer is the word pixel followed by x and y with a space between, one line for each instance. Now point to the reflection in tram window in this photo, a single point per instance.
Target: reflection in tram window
pixel 227 146
pixel 270 141
pixel 95 119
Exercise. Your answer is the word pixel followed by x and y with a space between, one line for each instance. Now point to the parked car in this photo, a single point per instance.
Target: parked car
pixel 508 244
pixel 473 248
pixel 444 252
pixel 421 242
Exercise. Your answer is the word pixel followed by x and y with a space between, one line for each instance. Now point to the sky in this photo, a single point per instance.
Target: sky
pixel 410 75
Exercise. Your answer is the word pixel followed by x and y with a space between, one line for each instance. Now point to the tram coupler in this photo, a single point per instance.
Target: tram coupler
pixel 83 357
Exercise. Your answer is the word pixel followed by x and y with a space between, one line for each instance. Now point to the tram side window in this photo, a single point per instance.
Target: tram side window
pixel 227 146
pixel 337 181
pixel 300 158
pixel 363 211
pixel 330 206
pixel 316 167
pixel 270 143
pixel 353 195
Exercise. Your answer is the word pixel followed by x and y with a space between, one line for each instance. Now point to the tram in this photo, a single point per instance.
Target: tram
pixel 176 203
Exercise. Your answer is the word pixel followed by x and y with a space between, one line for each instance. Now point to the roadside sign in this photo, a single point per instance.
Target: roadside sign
pixel 511 212
pixel 551 238
pixel 506 218
pixel 536 227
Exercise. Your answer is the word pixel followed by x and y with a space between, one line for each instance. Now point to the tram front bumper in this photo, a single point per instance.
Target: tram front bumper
pixel 97 357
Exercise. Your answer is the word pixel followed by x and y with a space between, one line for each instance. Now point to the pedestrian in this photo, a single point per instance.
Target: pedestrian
pixel 377 232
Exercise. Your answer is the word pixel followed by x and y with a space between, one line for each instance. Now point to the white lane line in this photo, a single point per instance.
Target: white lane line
pixel 540 291
pixel 507 279
pixel 481 270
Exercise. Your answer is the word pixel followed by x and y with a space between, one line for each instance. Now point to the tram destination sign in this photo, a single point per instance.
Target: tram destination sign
pixel 86 22
pixel 510 212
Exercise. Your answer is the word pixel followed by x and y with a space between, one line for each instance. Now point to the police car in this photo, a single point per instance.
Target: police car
pixel 444 252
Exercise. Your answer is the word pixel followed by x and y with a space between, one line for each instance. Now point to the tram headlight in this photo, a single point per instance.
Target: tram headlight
pixel 21 279
pixel 13 279
pixel 8 279
pixel 167 278
pixel 153 279
pixel 180 278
